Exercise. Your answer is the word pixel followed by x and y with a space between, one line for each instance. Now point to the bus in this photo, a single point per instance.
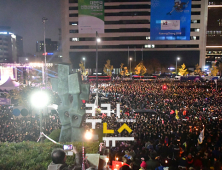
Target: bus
pixel 100 78
pixel 135 77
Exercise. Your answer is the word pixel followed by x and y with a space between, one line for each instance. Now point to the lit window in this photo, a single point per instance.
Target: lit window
pixel 147 38
pixel 153 46
pixel 193 38
pixel 75 39
pixel 197 30
pixel 74 24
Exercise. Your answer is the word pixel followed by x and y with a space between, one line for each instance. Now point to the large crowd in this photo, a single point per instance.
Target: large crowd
pixel 178 126
pixel 184 132
pixel 24 128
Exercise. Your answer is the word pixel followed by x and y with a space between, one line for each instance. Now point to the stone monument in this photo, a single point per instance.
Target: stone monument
pixel 71 91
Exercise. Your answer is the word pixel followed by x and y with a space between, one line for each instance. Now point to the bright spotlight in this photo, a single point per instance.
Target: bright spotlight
pixel 39 99
pixel 88 135
pixel 98 40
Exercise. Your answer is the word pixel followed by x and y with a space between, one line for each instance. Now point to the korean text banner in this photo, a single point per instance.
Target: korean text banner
pixel 170 19
pixel 91 16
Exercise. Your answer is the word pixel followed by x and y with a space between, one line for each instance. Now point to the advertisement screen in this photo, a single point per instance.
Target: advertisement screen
pixel 90 16
pixel 170 19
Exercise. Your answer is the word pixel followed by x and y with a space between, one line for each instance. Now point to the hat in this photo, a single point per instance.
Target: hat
pixel 143 164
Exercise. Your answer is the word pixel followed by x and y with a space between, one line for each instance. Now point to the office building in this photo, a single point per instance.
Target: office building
pixel 52 51
pixel 214 32
pixel 11 45
pixel 127 33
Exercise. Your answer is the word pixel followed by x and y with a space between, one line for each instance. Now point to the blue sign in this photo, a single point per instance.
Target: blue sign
pixel 16 112
pixel 170 20
pixel 5 101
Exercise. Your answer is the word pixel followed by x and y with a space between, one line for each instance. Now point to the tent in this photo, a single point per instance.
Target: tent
pixel 9 84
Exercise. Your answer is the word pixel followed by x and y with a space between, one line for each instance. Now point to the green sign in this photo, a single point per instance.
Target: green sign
pixel 91 16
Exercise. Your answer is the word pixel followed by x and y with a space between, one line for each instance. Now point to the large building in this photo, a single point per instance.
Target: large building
pixel 214 32
pixel 52 51
pixel 11 45
pixel 127 33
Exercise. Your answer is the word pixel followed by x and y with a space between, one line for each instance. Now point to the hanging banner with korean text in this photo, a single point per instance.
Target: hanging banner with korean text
pixel 90 16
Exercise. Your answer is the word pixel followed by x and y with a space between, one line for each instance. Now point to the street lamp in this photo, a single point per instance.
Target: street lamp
pixel 98 40
pixel 44 79
pixel 84 59
pixel 39 100
pixel 88 135
pixel 178 58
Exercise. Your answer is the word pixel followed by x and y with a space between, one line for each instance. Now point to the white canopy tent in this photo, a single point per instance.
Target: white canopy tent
pixel 9 84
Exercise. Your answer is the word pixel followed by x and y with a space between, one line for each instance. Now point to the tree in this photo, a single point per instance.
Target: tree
pixel 108 68
pixel 140 69
pixel 213 70
pixel 82 68
pixel 126 72
pixel 150 69
pixel 183 71
pixel 197 70
pixel 163 69
pixel 153 65
pixel 121 69
pixel 220 68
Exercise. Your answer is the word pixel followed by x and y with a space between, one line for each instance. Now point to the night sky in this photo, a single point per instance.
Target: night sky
pixel 25 19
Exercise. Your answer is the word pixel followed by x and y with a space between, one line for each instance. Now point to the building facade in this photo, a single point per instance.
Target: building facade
pixel 214 32
pixel 53 53
pixel 127 34
pixel 11 45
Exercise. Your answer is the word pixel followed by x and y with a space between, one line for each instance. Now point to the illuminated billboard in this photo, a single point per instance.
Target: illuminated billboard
pixel 170 20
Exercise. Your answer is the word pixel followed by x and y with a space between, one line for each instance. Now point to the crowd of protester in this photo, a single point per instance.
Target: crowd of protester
pixel 166 124
pixel 24 128
pixel 170 137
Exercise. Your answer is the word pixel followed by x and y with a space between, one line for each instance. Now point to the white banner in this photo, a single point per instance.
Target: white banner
pixel 170 24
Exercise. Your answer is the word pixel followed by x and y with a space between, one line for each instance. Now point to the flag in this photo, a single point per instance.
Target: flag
pixel 201 137
pixel 176 117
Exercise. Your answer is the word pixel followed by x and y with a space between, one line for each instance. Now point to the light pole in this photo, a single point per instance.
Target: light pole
pixel 44 19
pixel 84 60
pixel 130 65
pixel 39 100
pixel 98 40
pixel 88 136
pixel 178 58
